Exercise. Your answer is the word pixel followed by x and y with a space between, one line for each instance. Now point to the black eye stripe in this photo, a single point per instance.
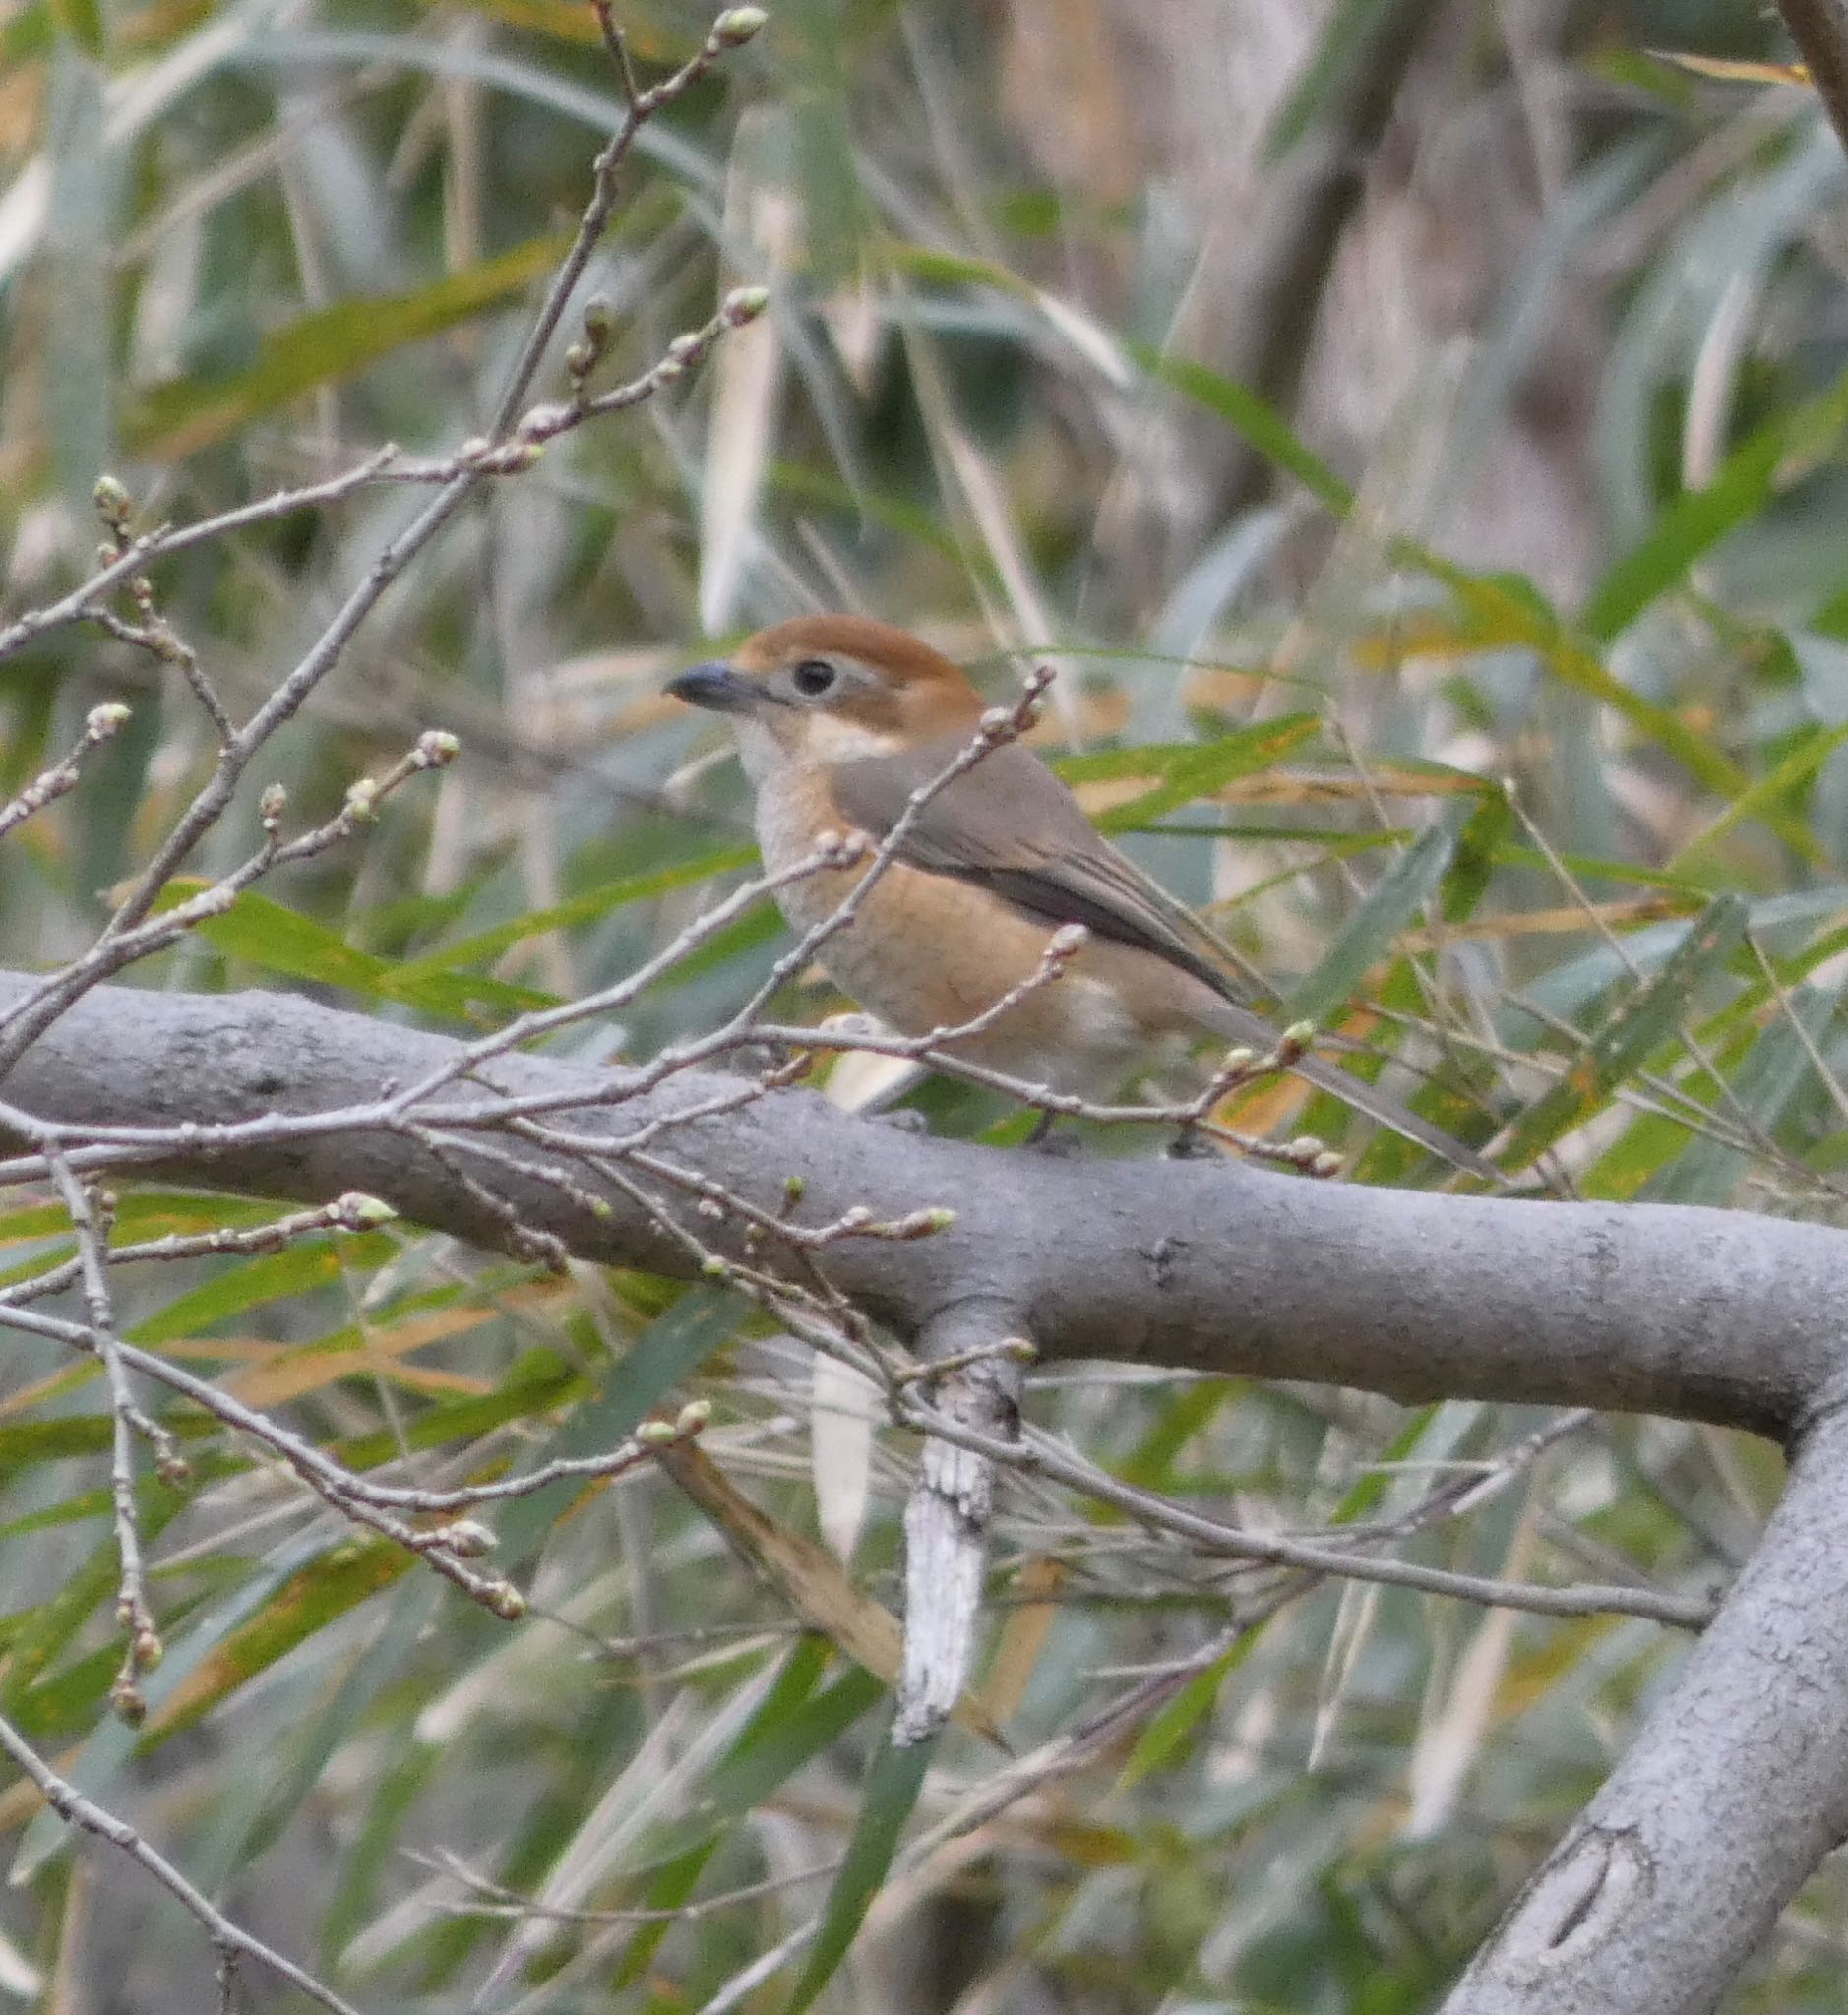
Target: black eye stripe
pixel 813 676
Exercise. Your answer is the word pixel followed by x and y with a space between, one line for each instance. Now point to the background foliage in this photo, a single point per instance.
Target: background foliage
pixel 1491 493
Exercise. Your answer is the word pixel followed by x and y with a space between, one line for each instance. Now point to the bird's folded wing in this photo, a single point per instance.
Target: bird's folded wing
pixel 1010 826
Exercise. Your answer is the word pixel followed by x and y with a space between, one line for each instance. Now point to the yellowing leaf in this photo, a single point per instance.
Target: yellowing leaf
pixel 327 1588
pixel 1733 69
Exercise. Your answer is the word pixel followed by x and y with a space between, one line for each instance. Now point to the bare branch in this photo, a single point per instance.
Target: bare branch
pixel 1708 1314
pixel 106 722
pixel 1820 29
pixel 132 1609
pixel 231 1939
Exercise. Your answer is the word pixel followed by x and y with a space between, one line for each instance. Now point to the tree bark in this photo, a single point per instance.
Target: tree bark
pixel 1732 1794
pixel 1705 1315
pixel 1738 1784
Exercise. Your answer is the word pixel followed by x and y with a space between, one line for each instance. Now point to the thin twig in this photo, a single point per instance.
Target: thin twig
pixel 1046 1457
pixel 132 1609
pixel 491 1899
pixel 231 1939
pixel 102 725
pixel 509 451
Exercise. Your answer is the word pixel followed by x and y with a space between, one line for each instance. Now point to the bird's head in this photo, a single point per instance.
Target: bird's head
pixel 834 689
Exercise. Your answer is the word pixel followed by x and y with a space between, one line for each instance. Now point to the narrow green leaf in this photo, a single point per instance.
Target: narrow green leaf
pixel 777 1744
pixel 1454 1099
pixel 763 925
pixel 76 1510
pixel 1510 604
pixel 372 1858
pixel 323 1590
pixel 590 907
pixel 1697 520
pixel 788 1730
pixel 671 1886
pixel 1648 1146
pixel 891 1788
pixel 253 1283
pixel 538 1383
pixel 1185 770
pixel 301 1756
pixel 24 1442
pixel 954 268
pixel 732 1792
pixel 147 1214
pixel 1571 990
pixel 1766 799
pixel 1685 530
pixel 38 1637
pixel 1523 617
pixel 282 940
pixel 1178 1718
pixel 1334 844
pixel 1478 846
pixel 1643 1021
pixel 1202 768
pixel 111 1745
pixel 29 32
pixel 1150 1464
pixel 1776 1068
pixel 1366 1490
pixel 1594 868
pixel 79 22
pixel 910 521
pixel 1345 46
pixel 1367 938
pixel 269 935
pixel 1248 415
pixel 1111 765
pixel 671 1349
pixel 184 416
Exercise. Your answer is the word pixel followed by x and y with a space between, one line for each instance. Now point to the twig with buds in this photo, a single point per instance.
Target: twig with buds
pixel 151 632
pixel 118 948
pixel 102 724
pixel 504 451
pixel 732 29
pixel 352 1212
pixel 132 1608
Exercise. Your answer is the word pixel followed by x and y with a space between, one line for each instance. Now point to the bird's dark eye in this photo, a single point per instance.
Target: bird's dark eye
pixel 813 677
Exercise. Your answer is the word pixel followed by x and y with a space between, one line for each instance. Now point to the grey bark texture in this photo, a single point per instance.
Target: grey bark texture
pixel 1738 1784
pixel 1731 1795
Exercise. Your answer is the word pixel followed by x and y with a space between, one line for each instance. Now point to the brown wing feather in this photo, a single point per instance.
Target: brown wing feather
pixel 1010 826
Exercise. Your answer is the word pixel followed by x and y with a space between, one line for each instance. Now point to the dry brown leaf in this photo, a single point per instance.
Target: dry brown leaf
pixel 814 1581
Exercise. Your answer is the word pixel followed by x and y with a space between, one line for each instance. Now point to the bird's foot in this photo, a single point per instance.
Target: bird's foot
pixel 1189 1145
pixel 1043 1140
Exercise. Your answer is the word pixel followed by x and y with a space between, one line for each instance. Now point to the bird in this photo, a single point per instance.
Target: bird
pixel 839 721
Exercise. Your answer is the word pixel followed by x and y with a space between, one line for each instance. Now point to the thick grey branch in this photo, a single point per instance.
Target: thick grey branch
pixel 1737 1790
pixel 1708 1314
pixel 1738 1785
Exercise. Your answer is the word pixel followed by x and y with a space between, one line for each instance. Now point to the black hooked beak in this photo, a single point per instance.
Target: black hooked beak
pixel 715 686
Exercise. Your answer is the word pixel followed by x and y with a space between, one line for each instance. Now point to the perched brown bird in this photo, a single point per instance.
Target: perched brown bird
pixel 839 720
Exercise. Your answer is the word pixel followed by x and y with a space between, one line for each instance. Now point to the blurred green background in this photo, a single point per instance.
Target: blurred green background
pixel 1446 397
